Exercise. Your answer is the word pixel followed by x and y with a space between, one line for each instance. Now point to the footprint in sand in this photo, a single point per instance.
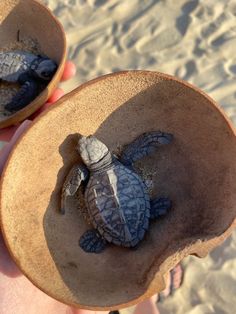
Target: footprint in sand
pixel 184 20
pixel 187 70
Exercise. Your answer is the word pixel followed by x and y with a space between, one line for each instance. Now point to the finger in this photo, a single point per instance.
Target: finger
pixel 8 147
pixel 7 265
pixel 69 71
pixel 7 133
pixel 57 94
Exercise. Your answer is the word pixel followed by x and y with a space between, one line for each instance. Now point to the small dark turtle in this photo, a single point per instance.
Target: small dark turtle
pixel 32 72
pixel 116 198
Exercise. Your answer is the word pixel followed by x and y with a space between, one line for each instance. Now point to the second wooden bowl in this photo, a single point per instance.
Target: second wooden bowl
pixel 29 25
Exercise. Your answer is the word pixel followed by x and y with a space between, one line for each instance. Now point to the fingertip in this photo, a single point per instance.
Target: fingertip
pixel 21 128
pixel 57 94
pixel 69 71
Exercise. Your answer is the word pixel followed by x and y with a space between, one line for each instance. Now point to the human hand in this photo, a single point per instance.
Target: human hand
pixel 18 294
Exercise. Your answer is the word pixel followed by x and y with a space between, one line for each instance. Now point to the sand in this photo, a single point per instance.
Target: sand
pixel 194 40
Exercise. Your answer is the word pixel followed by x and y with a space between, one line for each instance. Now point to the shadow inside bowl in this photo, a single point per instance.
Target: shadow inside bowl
pixel 196 171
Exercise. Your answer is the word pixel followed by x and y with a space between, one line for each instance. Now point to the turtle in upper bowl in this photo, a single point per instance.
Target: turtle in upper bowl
pixel 116 197
pixel 32 72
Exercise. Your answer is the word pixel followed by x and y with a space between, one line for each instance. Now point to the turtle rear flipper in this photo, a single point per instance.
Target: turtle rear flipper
pixel 29 91
pixel 91 242
pixel 145 144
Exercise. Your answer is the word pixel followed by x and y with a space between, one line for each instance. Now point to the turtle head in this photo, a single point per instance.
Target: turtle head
pixel 93 152
pixel 45 69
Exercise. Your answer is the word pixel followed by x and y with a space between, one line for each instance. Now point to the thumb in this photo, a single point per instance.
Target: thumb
pixel 5 152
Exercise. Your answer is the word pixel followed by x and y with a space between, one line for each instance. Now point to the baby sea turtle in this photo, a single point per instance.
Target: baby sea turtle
pixel 116 198
pixel 31 71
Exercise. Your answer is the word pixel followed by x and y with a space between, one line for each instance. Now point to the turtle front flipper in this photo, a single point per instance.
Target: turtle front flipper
pixel 92 242
pixel 29 91
pixel 159 207
pixel 77 174
pixel 145 144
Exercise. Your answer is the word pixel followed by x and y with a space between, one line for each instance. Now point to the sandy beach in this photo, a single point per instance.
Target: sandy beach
pixel 192 39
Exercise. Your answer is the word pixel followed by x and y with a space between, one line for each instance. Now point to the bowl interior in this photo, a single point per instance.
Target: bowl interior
pixel 197 171
pixel 28 25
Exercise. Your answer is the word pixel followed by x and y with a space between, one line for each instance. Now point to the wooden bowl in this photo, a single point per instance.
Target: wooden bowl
pixel 29 25
pixel 197 171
